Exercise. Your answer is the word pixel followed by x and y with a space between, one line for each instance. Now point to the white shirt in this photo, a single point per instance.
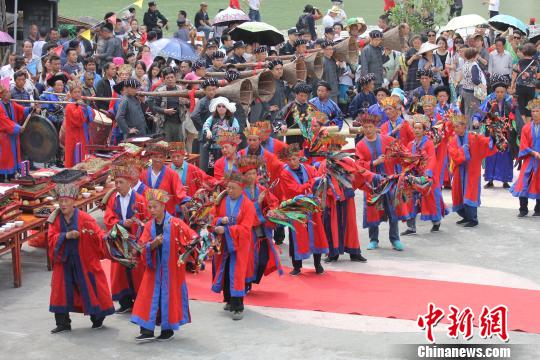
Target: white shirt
pixel 328 21
pixel 38 47
pixel 137 185
pixel 154 177
pixel 254 4
pixel 124 203
pixel 6 71
pixel 493 5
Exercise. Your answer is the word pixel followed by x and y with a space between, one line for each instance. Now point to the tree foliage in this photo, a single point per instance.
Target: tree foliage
pixel 420 14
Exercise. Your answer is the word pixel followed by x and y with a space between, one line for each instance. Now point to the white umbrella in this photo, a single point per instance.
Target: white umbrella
pixel 229 15
pixel 464 21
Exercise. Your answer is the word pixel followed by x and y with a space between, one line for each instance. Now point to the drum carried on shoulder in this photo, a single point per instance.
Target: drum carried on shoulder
pixel 99 129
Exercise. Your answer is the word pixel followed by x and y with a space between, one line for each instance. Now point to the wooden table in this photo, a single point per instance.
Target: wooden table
pixel 13 240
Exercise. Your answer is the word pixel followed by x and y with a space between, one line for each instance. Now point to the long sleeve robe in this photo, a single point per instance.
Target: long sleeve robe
pixel 77 119
pixel 10 129
pixel 528 183
pixel 169 181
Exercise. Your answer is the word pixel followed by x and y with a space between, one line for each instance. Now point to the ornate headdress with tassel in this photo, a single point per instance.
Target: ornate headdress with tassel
pixel 458 119
pixel 177 147
pixel 366 118
pixel 422 119
pixel 234 176
pixel 333 142
pixel 428 100
pixel 249 162
pixel 253 130
pixel 286 153
pixel 69 190
pixel 533 104
pixel 157 194
pixel 156 149
pixel 228 137
pixel 390 101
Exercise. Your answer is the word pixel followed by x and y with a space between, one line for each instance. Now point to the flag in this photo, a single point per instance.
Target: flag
pixel 147 59
pixel 87 34
pixel 112 19
pixel 138 3
pixel 58 50
pixel 234 4
pixel 32 67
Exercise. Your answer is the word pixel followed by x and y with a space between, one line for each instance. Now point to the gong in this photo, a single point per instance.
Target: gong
pixel 39 141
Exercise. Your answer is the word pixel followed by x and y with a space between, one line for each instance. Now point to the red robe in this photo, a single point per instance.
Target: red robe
pixel 273 166
pixel 163 288
pixel 274 146
pixel 124 281
pixel 441 174
pixel 269 202
pixel 235 244
pixel 308 238
pixel 430 201
pixel 467 164
pixel 405 135
pixel 222 168
pixel 192 177
pixel 78 281
pixel 340 214
pixel 528 182
pixel 367 152
pixel 76 122
pixel 10 149
pixel 169 181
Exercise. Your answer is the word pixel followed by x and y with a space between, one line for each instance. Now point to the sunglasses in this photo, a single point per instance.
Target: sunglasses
pixel 221 106
pixel 431 35
pixel 517 37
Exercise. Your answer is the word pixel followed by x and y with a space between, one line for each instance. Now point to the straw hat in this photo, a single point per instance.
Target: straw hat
pixel 357 21
pixel 427 47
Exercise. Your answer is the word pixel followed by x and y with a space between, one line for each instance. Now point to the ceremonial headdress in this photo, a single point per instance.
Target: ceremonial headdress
pixel 249 162
pixel 231 75
pixel 286 153
pixel 156 194
pixel 376 34
pixel 199 64
pixel 234 176
pixel 209 82
pixel 69 190
pixel 253 131
pixel 533 104
pixel 261 49
pixel 390 101
pixel 218 55
pixel 156 149
pixel 264 126
pixel 126 166
pixel 58 76
pixel 366 79
pixel 272 64
pixel 334 141
pixel 458 119
pixel 498 80
pixel 302 87
pixel 300 42
pixel 228 137
pixel 319 117
pixel 177 147
pixel 442 88
pixel 422 119
pixel 424 72
pixel 428 100
pixel 366 118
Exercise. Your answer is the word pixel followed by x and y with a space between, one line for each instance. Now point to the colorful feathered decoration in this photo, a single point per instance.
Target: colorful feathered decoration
pixel 498 127
pixel 122 246
pixel 400 187
pixel 296 209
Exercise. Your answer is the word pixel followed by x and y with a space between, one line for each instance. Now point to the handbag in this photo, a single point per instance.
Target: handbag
pixel 480 90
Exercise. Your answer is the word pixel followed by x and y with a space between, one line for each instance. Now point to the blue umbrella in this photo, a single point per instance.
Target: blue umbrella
pixel 176 49
pixel 503 22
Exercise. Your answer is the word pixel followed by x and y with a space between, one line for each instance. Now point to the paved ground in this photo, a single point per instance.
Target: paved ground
pixel 502 251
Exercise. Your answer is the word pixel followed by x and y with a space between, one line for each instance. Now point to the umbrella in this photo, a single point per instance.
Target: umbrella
pixel 6 39
pixel 503 22
pixel 230 15
pixel 534 33
pixel 464 21
pixel 257 32
pixel 174 48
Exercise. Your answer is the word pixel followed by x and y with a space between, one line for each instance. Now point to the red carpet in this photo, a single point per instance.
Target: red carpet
pixel 378 295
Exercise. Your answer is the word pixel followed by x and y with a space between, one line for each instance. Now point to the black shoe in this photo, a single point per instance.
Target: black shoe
pixel 295 272
pixel 124 309
pixel 98 324
pixel 165 335
pixel 536 213
pixel 319 269
pixel 227 307
pixel 506 185
pixel 462 221
pixel 523 214
pixel 488 185
pixel 471 224
pixel 358 258
pixel 237 315
pixel 59 164
pixel 435 228
pixel 408 232
pixel 278 242
pixel 61 328
pixel 145 337
pixel 329 259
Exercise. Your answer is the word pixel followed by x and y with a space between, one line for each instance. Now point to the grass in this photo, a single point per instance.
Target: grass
pixel 281 13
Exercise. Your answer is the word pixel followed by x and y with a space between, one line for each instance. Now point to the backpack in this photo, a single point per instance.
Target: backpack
pixel 302 23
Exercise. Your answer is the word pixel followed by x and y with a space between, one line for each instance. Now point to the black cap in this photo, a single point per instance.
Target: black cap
pixel 261 49
pixel 329 30
pixel 292 31
pixel 375 34
pixel 238 44
pixel 209 82
pixel 326 44
pixel 300 42
pixel 211 43
pixel 217 55
pixel 272 64
pixel 302 87
pixel 58 76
